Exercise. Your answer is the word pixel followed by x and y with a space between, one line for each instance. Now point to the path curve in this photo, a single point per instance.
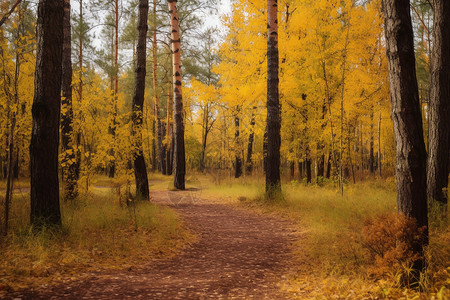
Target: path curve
pixel 239 255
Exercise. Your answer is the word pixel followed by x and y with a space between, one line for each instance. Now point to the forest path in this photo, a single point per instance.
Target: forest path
pixel 239 254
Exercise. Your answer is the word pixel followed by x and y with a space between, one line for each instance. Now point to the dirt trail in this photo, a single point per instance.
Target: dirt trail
pixel 239 255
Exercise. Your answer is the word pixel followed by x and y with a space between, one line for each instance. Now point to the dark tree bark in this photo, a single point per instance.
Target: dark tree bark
pixel 371 150
pixel 140 169
pixel 163 152
pixel 300 170
pixel 308 170
pixel 69 169
pixel 179 152
pixel 170 151
pixel 237 154
pixel 439 130
pixel 273 104
pixel 154 148
pixel 265 150
pixel 328 173
pixel 45 111
pixel 169 136
pixel 159 131
pixel 251 137
pixel 207 125
pixel 406 116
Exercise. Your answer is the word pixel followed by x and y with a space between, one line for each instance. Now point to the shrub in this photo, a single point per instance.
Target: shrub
pixel 392 241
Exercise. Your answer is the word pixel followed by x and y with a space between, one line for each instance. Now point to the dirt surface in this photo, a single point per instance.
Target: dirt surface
pixel 239 254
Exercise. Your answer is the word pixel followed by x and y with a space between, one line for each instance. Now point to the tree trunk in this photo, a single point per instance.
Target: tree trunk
pixel 159 145
pixel 112 129
pixel 379 143
pixel 251 137
pixel 80 92
pixel 350 155
pixel 169 137
pixel 140 169
pixel 45 111
pixel 300 170
pixel 69 165
pixel 439 130
pixel 163 152
pixel 328 174
pixel 265 137
pixel 154 147
pixel 341 149
pixel 237 154
pixel 179 155
pixel 273 105
pixel 407 118
pixel 308 169
pixel 321 146
pixel 205 131
pixel 371 150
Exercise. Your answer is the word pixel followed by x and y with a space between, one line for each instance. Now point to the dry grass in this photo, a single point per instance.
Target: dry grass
pixel 98 233
pixel 332 262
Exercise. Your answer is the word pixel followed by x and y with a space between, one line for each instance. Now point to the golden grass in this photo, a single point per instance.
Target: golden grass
pixel 332 262
pixel 97 233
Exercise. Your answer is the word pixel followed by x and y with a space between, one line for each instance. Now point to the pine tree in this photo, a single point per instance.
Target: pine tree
pixel 140 169
pixel 46 112
pixel 439 128
pixel 179 161
pixel 406 115
pixel 273 105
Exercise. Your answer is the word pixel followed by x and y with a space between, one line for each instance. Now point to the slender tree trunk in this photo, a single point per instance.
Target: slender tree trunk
pixel 77 135
pixel 140 169
pixel 68 169
pixel 341 150
pixel 179 155
pixel 273 105
pixel 379 143
pixel 6 16
pixel 361 145
pixel 439 130
pixel 169 137
pixel 45 111
pixel 112 167
pixel 10 148
pixel 159 145
pixel 265 137
pixel 328 174
pixel 321 146
pixel 154 146
pixel 407 119
pixel 237 154
pixel 12 164
pixel 371 150
pixel 158 124
pixel 350 155
pixel 163 151
pixel 9 177
pixel 300 170
pixel 308 167
pixel 205 125
pixel 251 137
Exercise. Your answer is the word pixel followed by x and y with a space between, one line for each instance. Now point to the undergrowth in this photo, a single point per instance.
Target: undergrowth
pixel 98 232
pixel 333 260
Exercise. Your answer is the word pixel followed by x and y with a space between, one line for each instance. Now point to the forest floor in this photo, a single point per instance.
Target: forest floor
pixel 238 254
